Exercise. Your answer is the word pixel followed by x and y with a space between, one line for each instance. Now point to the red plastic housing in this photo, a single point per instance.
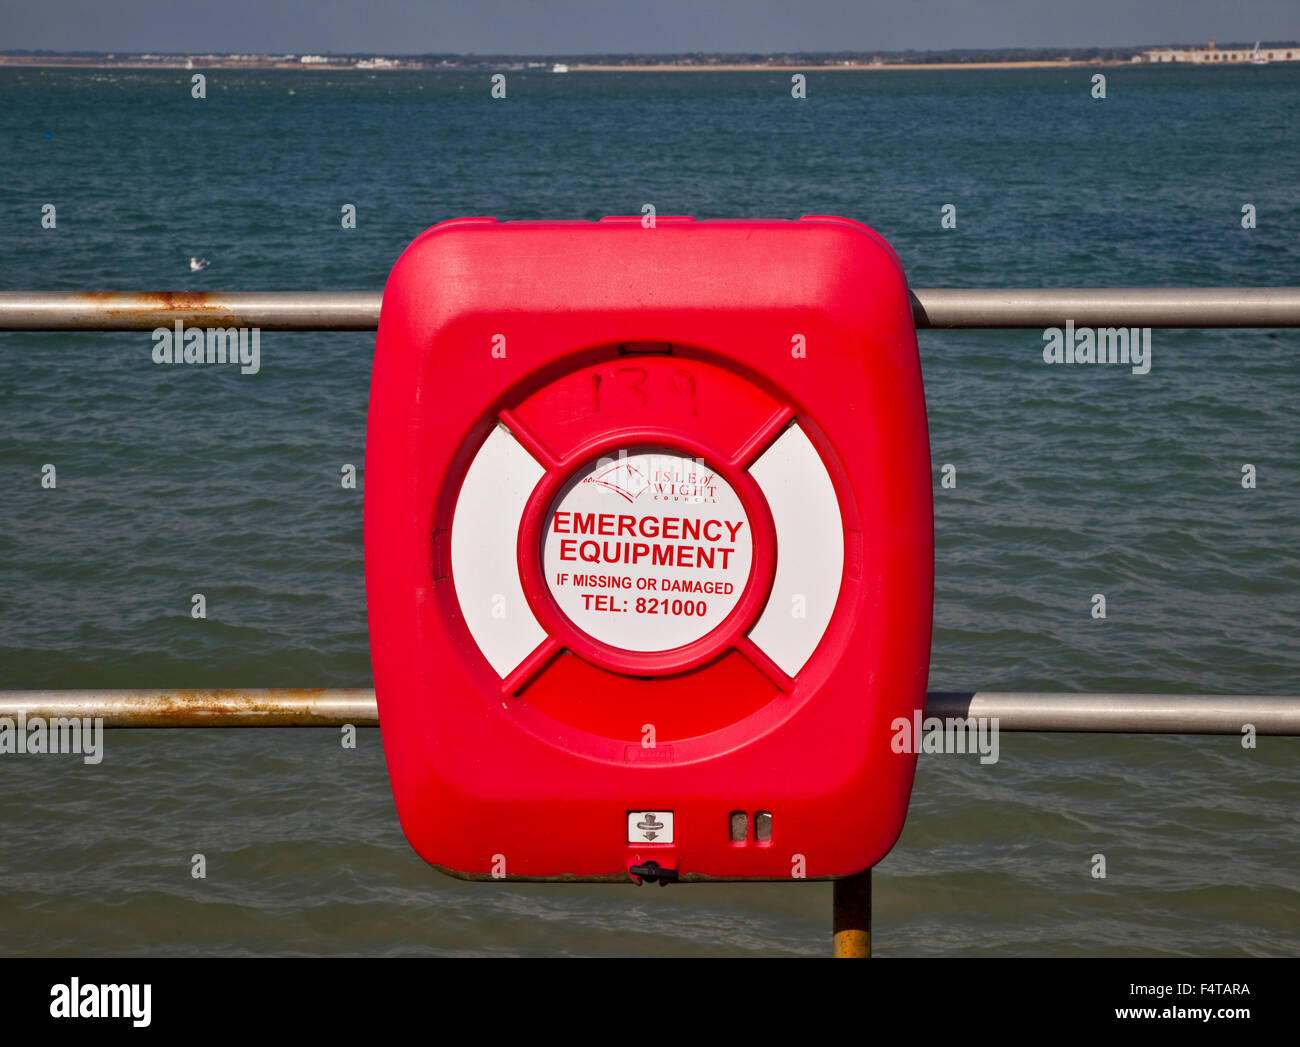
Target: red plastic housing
pixel 723 385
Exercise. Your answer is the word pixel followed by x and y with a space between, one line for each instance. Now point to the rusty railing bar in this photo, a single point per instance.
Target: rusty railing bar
pixel 1015 711
pixel 932 308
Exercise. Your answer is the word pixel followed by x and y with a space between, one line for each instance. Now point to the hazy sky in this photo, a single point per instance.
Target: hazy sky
pixel 577 26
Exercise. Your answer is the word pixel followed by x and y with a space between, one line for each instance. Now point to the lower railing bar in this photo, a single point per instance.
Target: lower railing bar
pixel 261 707
pixel 1123 713
pixel 1015 711
pixel 1032 308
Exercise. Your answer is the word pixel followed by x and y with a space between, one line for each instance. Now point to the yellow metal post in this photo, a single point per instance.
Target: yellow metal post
pixel 852 919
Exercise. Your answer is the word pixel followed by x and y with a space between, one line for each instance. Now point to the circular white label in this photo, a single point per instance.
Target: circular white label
pixel 647 551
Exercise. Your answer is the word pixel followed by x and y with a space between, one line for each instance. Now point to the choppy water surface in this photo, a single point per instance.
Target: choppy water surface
pixel 1071 481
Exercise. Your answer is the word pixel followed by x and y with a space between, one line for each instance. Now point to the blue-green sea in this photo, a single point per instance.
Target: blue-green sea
pixel 1071 481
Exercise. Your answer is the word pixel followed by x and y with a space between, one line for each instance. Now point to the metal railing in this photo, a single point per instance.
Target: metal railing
pixel 1023 711
pixel 942 308
pixel 934 308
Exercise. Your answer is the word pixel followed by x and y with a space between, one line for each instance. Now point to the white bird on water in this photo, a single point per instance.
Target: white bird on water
pixel 198 263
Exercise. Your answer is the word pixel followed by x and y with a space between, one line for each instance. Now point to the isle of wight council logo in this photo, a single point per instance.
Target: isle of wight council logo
pixel 623 478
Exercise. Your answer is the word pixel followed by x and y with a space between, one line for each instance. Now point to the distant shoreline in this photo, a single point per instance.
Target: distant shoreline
pixel 53 62
pixel 863 67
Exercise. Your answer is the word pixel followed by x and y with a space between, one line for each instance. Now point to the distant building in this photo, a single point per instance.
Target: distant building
pixel 1212 55
pixel 312 59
